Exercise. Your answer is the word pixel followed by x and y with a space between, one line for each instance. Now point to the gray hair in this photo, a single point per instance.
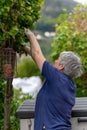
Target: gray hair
pixel 72 64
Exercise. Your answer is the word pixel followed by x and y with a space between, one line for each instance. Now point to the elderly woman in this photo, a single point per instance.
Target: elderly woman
pixel 57 96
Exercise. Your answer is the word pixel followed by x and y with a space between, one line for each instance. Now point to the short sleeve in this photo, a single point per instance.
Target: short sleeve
pixel 49 71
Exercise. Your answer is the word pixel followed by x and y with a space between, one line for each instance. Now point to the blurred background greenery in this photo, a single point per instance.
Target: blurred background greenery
pixel 55 17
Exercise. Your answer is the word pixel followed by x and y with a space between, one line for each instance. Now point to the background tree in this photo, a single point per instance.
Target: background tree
pixel 71 34
pixel 51 10
pixel 15 15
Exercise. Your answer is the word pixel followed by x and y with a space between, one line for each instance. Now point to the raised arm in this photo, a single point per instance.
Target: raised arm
pixel 34 50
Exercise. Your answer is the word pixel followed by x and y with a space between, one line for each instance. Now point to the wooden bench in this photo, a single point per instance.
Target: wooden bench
pixel 79 114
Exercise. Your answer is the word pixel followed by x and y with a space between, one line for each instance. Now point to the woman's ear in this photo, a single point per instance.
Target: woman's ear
pixel 61 67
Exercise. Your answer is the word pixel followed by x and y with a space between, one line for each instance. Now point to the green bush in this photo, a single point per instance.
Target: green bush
pixel 27 68
pixel 71 35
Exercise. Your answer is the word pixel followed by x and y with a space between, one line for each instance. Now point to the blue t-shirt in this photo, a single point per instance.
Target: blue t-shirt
pixel 55 100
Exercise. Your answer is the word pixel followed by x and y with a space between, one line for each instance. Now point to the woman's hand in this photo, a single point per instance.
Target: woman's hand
pixel 34 50
pixel 28 32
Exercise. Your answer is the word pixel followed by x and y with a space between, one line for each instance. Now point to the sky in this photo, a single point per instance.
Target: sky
pixel 82 1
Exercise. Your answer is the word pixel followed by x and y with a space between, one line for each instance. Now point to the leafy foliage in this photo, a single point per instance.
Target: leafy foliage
pixel 15 15
pixel 71 34
pixel 2 90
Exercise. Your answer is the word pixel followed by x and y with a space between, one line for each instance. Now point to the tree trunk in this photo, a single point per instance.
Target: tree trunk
pixel 7 104
pixel 8 68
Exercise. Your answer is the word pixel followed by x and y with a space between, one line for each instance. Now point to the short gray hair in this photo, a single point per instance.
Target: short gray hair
pixel 72 64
